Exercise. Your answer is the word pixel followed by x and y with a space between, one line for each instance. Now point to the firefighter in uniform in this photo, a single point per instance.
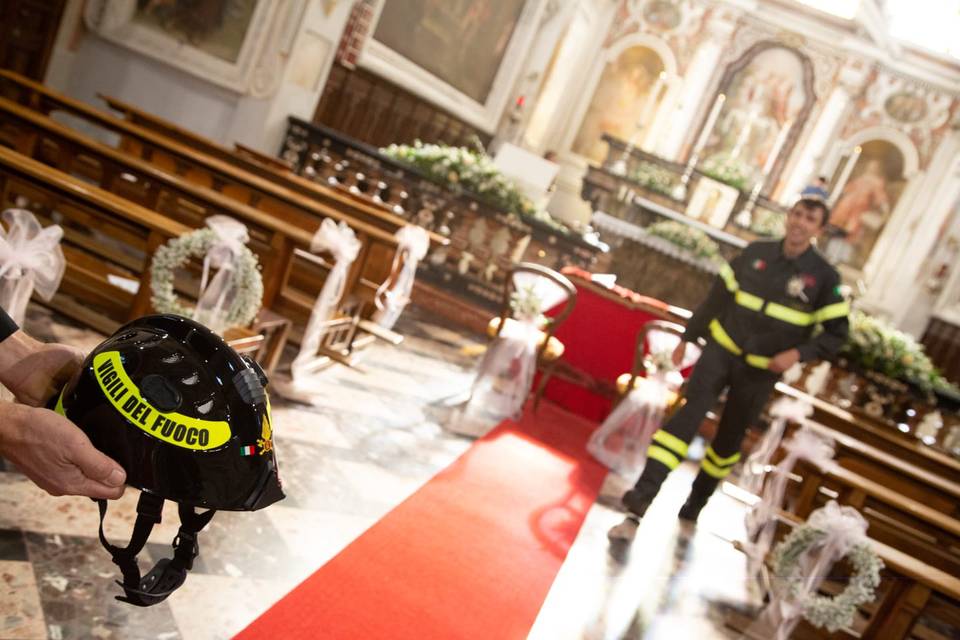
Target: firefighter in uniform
pixel 776 304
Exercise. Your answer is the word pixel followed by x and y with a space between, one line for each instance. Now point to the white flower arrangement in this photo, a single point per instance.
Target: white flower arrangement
pixel 177 251
pixel 473 171
pixel 728 170
pixel 689 238
pixel 875 345
pixel 823 611
pixel 527 305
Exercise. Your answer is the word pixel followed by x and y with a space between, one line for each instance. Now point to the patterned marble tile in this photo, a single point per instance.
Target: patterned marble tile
pixel 12 545
pixel 21 615
pixel 75 578
pixel 217 607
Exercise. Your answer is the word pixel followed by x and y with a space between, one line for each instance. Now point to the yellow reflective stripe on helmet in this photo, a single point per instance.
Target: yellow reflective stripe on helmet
pixel 173 428
pixel 780 312
pixel 668 459
pixel 748 300
pixel 760 362
pixel 729 278
pixel 671 442
pixel 724 340
pixel 714 470
pixel 832 311
pixel 722 462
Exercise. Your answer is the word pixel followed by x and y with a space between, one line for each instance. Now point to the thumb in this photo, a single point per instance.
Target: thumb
pixel 95 465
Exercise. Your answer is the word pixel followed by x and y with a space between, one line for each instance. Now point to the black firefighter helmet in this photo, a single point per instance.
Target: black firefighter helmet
pixel 189 421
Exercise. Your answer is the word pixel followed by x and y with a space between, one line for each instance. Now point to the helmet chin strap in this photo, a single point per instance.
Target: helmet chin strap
pixel 169 573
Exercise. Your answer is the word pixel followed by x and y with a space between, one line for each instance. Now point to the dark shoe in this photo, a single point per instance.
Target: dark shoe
pixel 625 531
pixel 636 502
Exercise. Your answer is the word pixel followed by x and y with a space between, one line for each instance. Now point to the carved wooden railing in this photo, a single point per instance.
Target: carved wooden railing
pixel 484 241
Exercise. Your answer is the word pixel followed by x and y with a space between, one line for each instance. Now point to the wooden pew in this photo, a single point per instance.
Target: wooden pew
pixel 887 440
pixel 108 242
pixel 901 522
pixel 290 283
pixel 255 162
pixel 213 171
pixel 908 480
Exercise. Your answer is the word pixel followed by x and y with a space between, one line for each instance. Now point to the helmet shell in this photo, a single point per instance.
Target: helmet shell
pixel 184 414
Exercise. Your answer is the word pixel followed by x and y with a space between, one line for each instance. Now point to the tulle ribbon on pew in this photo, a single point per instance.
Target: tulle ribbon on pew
pixel 217 293
pixel 340 242
pixel 761 520
pixel 844 529
pixel 412 245
pixel 30 260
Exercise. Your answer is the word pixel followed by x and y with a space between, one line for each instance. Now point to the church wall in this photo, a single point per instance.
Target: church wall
pixel 287 78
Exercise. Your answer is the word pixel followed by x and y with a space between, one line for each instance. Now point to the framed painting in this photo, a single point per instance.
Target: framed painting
pixel 462 55
pixel 231 43
pixel 712 202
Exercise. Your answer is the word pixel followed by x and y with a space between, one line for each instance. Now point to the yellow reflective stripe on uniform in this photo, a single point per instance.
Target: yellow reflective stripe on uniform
pixel 780 312
pixel 726 274
pixel 723 462
pixel 748 300
pixel 831 311
pixel 59 408
pixel 671 442
pixel 760 362
pixel 723 339
pixel 663 456
pixel 174 428
pixel 714 470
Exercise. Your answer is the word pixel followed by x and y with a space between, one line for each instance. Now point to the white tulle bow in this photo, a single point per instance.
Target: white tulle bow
pixel 339 241
pixel 216 293
pixel 30 258
pixel 412 245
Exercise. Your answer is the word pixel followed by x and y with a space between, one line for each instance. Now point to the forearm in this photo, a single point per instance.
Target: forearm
pixel 13 350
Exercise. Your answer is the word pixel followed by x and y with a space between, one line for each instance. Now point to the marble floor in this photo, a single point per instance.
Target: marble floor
pixel 374 439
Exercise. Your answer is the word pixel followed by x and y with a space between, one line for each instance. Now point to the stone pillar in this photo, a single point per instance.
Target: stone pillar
pixel 811 156
pixel 695 95
pixel 262 122
pixel 894 268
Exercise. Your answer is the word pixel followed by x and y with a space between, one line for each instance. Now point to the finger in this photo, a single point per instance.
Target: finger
pixel 95 465
pixel 94 489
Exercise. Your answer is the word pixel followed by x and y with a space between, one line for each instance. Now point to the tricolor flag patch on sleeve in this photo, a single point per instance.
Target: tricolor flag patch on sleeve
pixel 248 451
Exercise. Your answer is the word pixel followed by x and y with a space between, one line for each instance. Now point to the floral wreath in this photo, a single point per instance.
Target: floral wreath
pixel 823 611
pixel 177 251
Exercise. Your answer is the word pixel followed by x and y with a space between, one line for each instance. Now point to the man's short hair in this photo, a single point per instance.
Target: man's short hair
pixel 816 203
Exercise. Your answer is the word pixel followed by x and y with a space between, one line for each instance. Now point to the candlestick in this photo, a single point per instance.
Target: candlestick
pixel 847 170
pixel 708 125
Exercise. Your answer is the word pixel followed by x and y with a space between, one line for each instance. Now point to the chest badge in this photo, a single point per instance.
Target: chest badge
pixel 795 287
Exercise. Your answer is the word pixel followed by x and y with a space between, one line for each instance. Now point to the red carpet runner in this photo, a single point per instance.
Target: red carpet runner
pixel 472 554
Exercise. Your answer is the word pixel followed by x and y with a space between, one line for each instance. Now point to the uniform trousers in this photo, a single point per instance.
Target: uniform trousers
pixel 748 389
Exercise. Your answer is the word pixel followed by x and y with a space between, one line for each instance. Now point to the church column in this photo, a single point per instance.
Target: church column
pixel 262 122
pixel 697 80
pixel 810 157
pixel 894 268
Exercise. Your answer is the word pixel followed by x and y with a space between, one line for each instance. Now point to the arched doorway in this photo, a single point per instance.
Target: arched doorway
pixel 865 202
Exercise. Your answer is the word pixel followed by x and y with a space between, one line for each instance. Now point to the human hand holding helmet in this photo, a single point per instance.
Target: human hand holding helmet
pixel 49 449
pixel 189 421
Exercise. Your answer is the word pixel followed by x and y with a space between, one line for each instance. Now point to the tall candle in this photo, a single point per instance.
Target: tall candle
pixel 708 125
pixel 847 170
pixel 775 149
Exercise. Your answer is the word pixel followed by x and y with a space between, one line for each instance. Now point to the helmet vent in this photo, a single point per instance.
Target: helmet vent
pixel 172 358
pixel 192 380
pixel 205 407
pixel 160 393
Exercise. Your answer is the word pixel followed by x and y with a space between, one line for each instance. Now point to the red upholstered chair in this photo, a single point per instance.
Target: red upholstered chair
pixel 556 290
